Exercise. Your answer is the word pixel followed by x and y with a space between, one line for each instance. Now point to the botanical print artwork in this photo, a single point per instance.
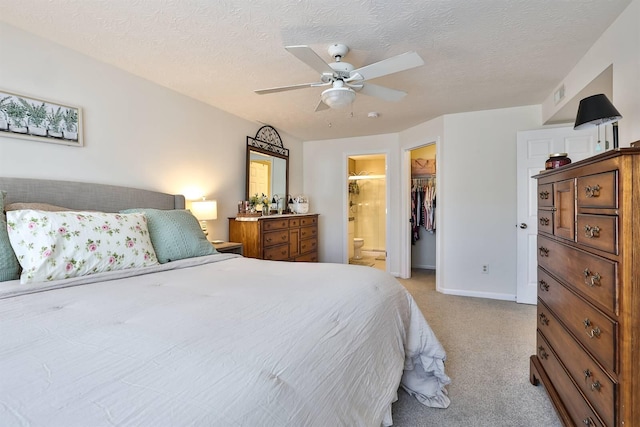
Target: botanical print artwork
pixel 30 118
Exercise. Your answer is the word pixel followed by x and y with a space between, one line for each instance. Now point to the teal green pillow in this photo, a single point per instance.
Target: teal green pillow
pixel 9 267
pixel 175 234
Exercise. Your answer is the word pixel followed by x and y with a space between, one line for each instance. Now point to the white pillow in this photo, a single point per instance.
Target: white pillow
pixel 59 245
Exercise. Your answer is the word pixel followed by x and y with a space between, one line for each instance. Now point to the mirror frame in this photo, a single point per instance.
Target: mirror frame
pixel 267 141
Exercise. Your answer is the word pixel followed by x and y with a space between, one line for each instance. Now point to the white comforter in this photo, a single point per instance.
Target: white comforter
pixel 226 341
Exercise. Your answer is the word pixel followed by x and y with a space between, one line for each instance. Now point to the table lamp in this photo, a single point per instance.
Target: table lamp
pixel 596 110
pixel 204 210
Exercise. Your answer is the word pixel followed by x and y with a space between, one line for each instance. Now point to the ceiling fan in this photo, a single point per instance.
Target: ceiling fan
pixel 344 79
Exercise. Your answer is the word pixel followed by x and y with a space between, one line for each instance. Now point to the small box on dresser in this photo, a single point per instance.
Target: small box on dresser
pixel 588 331
pixel 277 238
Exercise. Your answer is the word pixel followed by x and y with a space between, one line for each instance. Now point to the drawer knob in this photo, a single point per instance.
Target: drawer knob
pixel 544 195
pixel 544 286
pixel 544 319
pixel 592 190
pixel 588 422
pixel 587 374
pixel 591 232
pixel 542 354
pixel 596 386
pixel 544 221
pixel 544 252
pixel 594 332
pixel 268 239
pixel 591 280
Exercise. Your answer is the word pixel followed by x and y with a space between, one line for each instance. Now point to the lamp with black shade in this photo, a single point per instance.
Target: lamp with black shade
pixel 596 110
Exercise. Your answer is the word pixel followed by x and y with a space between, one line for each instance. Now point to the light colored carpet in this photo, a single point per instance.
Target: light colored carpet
pixel 488 346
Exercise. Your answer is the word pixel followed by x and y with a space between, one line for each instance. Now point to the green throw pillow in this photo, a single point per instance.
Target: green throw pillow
pixel 9 267
pixel 175 234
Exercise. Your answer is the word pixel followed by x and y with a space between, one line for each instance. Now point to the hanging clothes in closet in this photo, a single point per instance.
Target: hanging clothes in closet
pixel 423 205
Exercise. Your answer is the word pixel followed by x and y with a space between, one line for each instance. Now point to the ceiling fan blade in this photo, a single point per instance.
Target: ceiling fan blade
pixel 391 65
pixel 382 92
pixel 321 106
pixel 290 87
pixel 309 57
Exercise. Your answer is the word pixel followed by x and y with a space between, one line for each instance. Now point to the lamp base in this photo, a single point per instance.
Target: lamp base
pixel 203 226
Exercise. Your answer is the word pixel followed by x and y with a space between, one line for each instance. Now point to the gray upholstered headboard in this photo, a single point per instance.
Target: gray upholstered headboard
pixel 86 196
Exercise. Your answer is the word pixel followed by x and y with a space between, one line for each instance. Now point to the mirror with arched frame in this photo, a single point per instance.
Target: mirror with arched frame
pixel 267 164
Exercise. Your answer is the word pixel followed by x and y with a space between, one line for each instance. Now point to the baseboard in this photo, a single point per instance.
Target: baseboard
pixel 424 267
pixel 488 295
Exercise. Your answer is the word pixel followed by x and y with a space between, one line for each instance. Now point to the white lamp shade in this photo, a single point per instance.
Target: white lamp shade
pixel 338 97
pixel 205 210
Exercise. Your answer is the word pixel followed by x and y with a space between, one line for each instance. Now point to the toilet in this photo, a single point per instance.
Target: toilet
pixel 358 242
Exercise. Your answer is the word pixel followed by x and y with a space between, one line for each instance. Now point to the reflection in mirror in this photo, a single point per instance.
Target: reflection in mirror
pixel 267 164
pixel 267 174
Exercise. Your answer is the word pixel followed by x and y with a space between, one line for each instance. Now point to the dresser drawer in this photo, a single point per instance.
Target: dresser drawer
pixel 308 232
pixel 595 330
pixel 596 386
pixel 310 257
pixel 308 245
pixel 294 222
pixel 598 191
pixel 277 253
pixel 275 238
pixel 545 221
pixel 599 232
pixel 591 275
pixel 572 399
pixel 545 195
pixel 275 224
pixel 306 221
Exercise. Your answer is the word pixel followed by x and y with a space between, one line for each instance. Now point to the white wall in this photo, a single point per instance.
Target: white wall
pixel 325 182
pixel 618 46
pixel 136 133
pixel 476 205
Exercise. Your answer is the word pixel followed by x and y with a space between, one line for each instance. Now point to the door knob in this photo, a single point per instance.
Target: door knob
pixel 523 225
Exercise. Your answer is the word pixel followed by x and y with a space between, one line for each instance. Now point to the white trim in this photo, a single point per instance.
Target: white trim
pixel 488 295
pixel 425 267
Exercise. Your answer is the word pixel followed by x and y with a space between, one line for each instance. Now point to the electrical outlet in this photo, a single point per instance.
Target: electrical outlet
pixel 485 268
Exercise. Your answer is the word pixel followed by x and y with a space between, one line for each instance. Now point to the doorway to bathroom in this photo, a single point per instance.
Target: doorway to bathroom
pixel 367 210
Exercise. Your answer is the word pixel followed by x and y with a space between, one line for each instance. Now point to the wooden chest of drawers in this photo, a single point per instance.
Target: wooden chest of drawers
pixel 282 238
pixel 588 345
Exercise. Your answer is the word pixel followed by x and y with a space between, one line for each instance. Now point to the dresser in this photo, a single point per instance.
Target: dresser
pixel 588 316
pixel 278 238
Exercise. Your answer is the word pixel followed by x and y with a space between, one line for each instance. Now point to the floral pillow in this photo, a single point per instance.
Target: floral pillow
pixel 59 245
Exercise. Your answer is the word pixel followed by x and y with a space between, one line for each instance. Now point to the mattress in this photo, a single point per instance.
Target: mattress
pixel 219 340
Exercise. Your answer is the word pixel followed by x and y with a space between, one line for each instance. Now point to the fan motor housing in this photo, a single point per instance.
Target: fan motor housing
pixel 338 49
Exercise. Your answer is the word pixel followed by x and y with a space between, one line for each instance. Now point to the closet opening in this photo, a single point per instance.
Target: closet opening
pixel 422 208
pixel 367 210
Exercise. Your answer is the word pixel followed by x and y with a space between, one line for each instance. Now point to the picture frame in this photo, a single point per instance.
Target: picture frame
pixel 36 119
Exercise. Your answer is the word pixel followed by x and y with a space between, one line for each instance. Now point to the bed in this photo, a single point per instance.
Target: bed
pixel 213 339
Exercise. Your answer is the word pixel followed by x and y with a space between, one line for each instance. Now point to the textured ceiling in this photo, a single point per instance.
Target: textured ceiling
pixel 479 54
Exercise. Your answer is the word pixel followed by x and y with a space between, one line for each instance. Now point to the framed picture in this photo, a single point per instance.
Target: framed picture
pixel 25 117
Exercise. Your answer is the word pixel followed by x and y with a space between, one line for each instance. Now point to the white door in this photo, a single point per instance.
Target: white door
pixel 259 178
pixel 533 150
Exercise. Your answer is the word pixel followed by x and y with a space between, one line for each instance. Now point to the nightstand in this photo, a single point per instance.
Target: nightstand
pixel 229 247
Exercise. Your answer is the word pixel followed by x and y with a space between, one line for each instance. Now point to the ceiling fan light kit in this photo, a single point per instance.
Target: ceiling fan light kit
pixel 345 79
pixel 338 97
